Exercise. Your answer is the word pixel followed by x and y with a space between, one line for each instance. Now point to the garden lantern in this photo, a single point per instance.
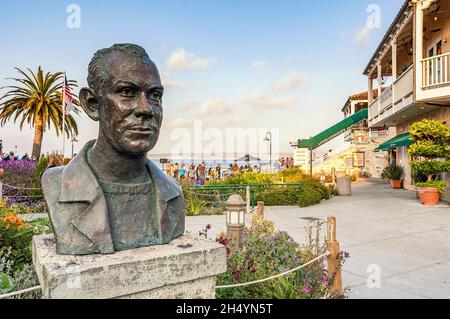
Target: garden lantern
pixel 235 219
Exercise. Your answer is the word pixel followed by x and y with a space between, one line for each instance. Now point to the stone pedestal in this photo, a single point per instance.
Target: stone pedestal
pixel 185 268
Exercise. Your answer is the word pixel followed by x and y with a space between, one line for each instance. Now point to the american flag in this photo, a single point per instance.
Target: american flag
pixel 66 90
pixel 67 97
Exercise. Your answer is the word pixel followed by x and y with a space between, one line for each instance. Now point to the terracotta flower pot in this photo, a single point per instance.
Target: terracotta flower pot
pixel 396 184
pixel 430 196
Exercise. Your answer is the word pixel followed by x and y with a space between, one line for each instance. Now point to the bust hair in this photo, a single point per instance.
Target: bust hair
pixel 97 66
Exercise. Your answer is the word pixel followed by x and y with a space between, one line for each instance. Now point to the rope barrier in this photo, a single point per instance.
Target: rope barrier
pixel 327 253
pixel 17 187
pixel 14 293
pixel 24 196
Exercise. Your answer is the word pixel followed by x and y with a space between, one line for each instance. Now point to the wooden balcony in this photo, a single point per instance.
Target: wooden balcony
pixel 436 71
pixel 435 82
pixel 394 99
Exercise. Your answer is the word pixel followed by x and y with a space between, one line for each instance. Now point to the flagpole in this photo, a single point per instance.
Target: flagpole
pixel 64 114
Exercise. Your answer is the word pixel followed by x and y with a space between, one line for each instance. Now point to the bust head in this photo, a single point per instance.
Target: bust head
pixel 125 96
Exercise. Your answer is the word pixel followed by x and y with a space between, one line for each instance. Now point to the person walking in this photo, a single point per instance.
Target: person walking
pixel 235 168
pixel 202 173
pixel 182 171
pixel 218 171
pixel 175 171
pixel 191 174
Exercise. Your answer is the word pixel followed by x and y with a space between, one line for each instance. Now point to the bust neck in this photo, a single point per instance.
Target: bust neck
pixel 113 166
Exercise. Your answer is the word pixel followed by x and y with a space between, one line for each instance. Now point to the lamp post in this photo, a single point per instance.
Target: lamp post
pixel 235 215
pixel 73 140
pixel 268 138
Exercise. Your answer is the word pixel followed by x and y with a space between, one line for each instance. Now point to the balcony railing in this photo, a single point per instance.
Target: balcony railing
pixel 394 98
pixel 436 71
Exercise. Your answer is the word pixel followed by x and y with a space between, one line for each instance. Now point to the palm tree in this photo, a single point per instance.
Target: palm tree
pixel 38 100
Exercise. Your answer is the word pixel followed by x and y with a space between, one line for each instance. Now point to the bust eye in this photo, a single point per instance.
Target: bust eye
pixel 156 96
pixel 127 92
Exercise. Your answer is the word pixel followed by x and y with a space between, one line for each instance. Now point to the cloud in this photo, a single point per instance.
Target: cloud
pixel 258 64
pixel 189 105
pixel 215 107
pixel 234 120
pixel 362 36
pixel 263 101
pixel 180 122
pixel 172 84
pixel 292 82
pixel 183 60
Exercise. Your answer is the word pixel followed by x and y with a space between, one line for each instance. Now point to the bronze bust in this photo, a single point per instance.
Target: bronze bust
pixel 110 197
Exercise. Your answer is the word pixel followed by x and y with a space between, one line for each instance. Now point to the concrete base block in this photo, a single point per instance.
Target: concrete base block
pixel 185 268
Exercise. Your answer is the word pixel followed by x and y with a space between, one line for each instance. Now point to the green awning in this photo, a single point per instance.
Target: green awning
pixel 398 141
pixel 333 131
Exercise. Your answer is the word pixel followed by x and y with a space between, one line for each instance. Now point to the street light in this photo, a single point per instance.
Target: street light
pixel 268 138
pixel 73 140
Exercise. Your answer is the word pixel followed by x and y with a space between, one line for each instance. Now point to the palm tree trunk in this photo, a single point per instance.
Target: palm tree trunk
pixel 38 135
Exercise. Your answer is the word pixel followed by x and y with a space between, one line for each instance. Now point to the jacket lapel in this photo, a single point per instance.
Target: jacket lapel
pixel 79 184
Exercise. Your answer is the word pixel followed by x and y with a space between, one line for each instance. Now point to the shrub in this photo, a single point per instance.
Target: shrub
pixel 23 278
pixel 430 139
pixel 41 166
pixel 267 253
pixel 280 195
pixel 393 172
pixel 22 175
pixel 195 206
pixel 428 169
pixel 245 178
pixel 16 235
pixel 309 197
pixel 429 150
pixel 440 185
pixel 264 189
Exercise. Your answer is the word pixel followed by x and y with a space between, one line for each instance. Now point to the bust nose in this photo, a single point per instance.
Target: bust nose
pixel 144 108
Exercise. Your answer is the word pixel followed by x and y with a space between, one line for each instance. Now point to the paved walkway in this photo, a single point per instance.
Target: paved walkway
pixel 382 229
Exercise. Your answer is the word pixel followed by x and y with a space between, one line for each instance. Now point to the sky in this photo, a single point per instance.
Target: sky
pixel 227 66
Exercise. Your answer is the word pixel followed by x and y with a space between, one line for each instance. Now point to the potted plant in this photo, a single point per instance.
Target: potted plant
pixel 429 153
pixel 394 173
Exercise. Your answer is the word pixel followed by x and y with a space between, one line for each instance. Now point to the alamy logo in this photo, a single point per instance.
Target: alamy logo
pixel 74 19
pixel 374 19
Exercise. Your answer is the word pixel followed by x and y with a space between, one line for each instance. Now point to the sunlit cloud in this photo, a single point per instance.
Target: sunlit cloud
pixel 183 60
pixel 258 64
pixel 264 101
pixel 362 37
pixel 180 122
pixel 172 84
pixel 215 107
pixel 292 81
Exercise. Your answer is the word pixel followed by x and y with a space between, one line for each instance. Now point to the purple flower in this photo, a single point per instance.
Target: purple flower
pixel 306 288
pixel 324 280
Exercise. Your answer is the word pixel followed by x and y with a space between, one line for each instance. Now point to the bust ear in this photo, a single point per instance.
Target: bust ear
pixel 89 103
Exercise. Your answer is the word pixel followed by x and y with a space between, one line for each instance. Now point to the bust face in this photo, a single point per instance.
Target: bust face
pixel 130 107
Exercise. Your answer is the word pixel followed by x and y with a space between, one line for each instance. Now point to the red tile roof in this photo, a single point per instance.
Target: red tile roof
pixel 362 96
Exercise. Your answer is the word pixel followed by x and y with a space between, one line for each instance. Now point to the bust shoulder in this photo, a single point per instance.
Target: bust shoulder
pixel 51 177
